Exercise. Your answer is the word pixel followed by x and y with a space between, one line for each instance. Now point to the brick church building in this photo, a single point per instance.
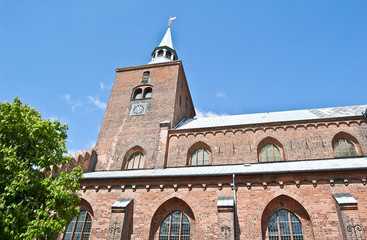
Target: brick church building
pixel 157 172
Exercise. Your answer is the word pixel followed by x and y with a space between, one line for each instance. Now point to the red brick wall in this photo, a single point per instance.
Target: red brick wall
pixel 235 145
pixel 313 204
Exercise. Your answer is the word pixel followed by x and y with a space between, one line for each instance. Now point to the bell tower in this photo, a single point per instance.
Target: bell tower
pixel 145 102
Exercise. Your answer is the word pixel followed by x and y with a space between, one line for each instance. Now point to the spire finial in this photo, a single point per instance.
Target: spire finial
pixel 165 51
pixel 170 21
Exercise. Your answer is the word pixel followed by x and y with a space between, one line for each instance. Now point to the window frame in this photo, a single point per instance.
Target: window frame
pixel 273 146
pixel 288 223
pixel 145 77
pixel 146 91
pixel 141 89
pixel 194 148
pixel 136 92
pixel 196 152
pixel 338 141
pixel 183 218
pixel 132 158
pixel 88 214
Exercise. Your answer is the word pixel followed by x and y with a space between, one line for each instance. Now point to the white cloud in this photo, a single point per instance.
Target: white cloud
pixel 67 97
pixel 201 114
pixel 220 94
pixel 95 101
pixel 74 104
pixel 80 103
pixel 101 85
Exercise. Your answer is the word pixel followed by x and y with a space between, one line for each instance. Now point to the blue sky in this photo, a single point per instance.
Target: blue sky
pixel 239 56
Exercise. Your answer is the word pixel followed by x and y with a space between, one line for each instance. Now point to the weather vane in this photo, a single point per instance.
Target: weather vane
pixel 170 21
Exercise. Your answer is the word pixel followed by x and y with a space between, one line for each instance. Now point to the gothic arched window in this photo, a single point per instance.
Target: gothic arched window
pixel 344 148
pixel 135 161
pixel 175 226
pixel 79 227
pixel 284 225
pixel 269 153
pixel 199 156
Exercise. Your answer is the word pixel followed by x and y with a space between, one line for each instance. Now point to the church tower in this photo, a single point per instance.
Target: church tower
pixel 145 102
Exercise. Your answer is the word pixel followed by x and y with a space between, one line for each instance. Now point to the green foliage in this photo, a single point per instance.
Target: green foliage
pixel 36 201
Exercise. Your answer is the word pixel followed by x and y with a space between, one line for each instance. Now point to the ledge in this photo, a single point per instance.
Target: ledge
pixel 324 165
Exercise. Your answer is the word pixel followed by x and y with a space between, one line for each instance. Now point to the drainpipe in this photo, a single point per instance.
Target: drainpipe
pixel 234 208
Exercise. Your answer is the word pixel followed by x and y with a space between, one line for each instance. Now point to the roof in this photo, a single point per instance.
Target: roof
pixel 225 201
pixel 283 116
pixel 167 39
pixel 356 163
pixel 121 203
pixel 344 198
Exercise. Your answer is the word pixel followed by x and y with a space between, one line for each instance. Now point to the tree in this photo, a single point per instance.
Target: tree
pixel 36 200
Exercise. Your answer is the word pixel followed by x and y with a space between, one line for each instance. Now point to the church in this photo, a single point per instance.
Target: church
pixel 159 173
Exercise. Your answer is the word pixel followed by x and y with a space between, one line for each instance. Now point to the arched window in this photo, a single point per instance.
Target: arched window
pixel 269 153
pixel 168 54
pixel 344 148
pixel 148 93
pixel 199 156
pixel 175 226
pixel 146 76
pixel 160 53
pixel 284 225
pixel 135 161
pixel 79 227
pixel 138 94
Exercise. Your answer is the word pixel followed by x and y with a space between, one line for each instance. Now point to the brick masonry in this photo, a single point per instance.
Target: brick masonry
pixel 307 195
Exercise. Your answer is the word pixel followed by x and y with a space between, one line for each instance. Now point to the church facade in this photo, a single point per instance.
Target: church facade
pixel 157 172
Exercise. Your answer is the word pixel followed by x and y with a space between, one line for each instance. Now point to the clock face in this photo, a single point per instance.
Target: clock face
pixel 138 109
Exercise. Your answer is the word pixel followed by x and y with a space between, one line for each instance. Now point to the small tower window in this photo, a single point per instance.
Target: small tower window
pixel 148 93
pixel 168 54
pixel 138 94
pixel 146 76
pixel 160 53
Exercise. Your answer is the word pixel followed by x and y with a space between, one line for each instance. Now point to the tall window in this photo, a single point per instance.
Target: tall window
pixel 148 93
pixel 269 153
pixel 284 225
pixel 176 226
pixel 138 94
pixel 344 148
pixel 135 161
pixel 145 77
pixel 199 157
pixel 79 228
